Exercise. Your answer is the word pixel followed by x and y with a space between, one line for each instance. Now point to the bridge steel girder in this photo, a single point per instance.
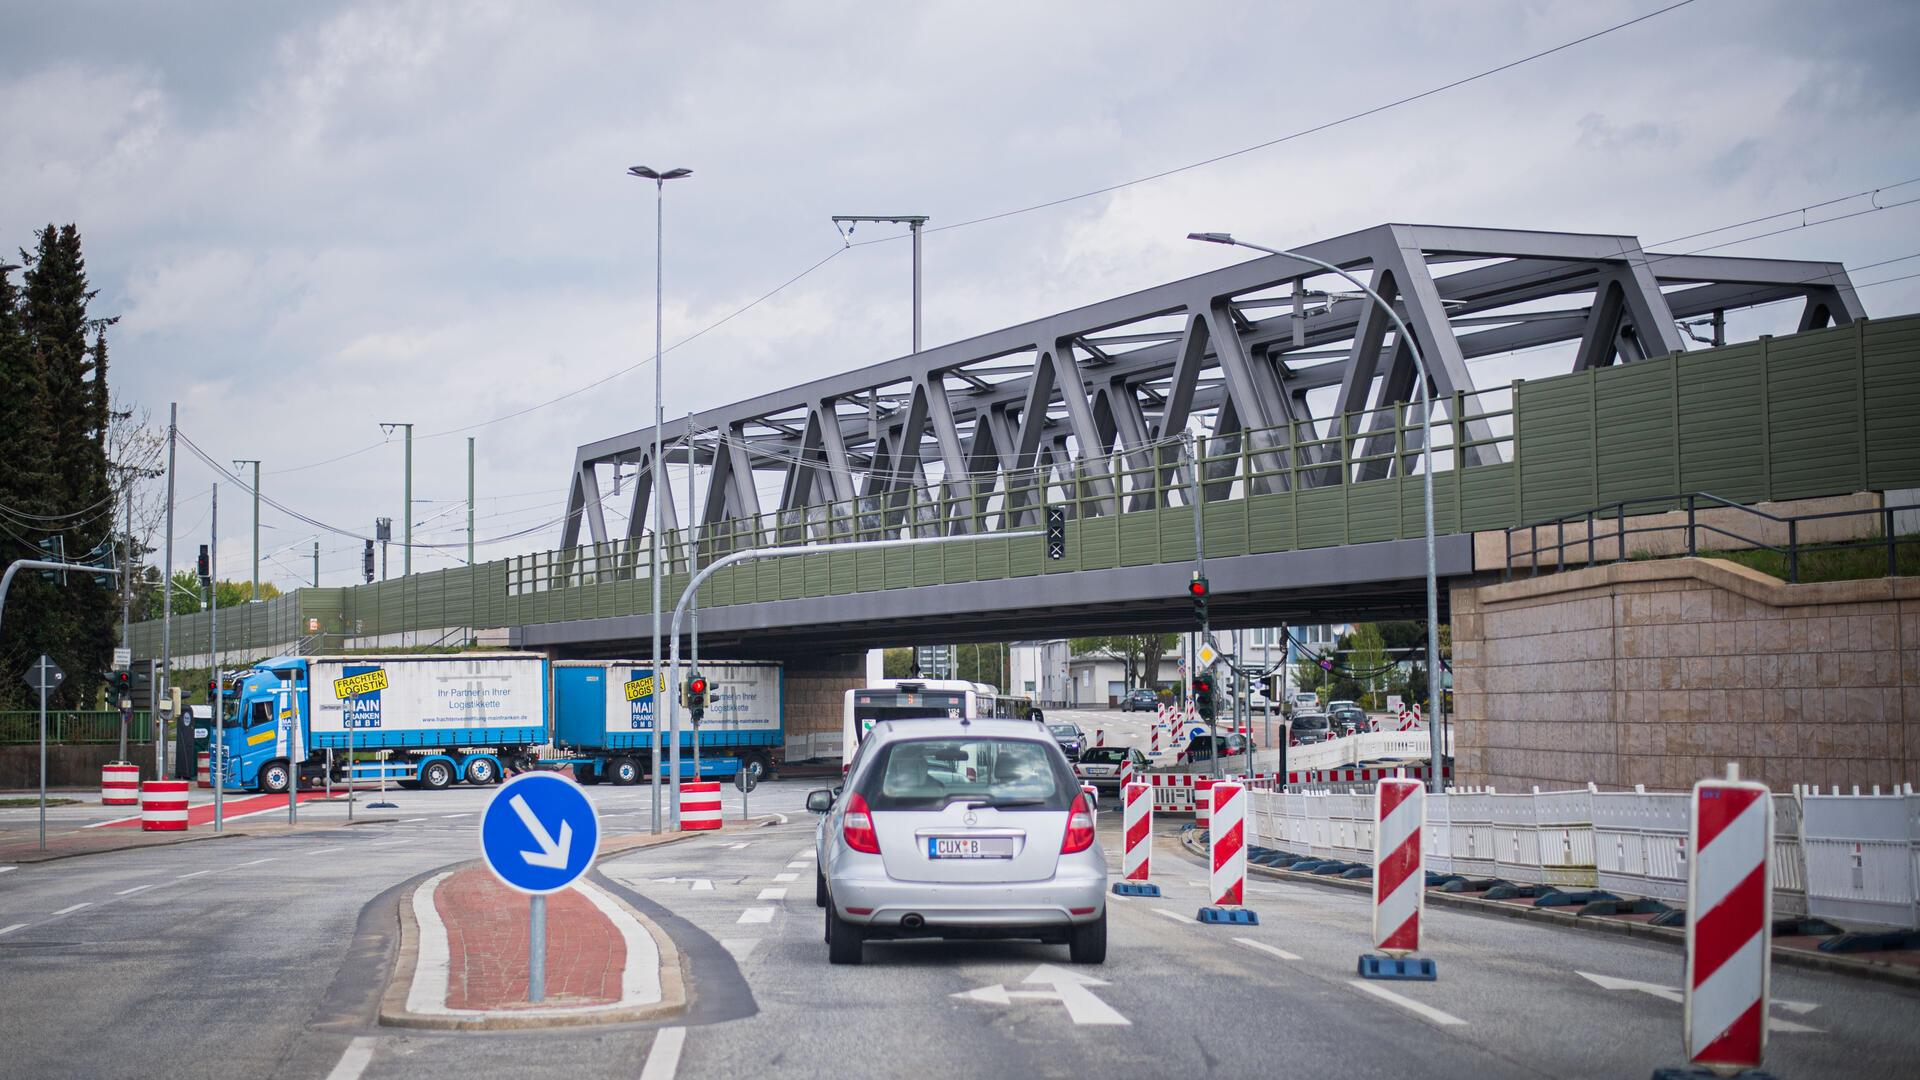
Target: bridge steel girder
pixel 1140 384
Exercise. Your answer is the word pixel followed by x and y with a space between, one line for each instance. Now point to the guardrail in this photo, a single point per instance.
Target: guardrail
pixel 1363 746
pixel 1852 858
pixel 1606 525
pixel 72 726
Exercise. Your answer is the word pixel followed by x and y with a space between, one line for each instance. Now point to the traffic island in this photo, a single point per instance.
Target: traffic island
pixel 462 961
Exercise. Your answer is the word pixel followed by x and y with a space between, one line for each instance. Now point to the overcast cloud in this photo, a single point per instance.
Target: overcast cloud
pixel 315 217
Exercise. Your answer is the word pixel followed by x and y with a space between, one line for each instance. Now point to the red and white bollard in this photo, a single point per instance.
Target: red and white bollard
pixel 119 784
pixel 1136 859
pixel 163 806
pixel 1227 855
pixel 1729 895
pixel 1399 880
pixel 1202 802
pixel 203 776
pixel 1100 737
pixel 699 805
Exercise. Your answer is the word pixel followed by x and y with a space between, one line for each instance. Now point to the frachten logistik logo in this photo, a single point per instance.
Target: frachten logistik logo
pixel 639 691
pixel 360 708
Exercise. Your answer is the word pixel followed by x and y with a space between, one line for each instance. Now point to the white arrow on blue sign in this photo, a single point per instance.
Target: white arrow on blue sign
pixel 539 833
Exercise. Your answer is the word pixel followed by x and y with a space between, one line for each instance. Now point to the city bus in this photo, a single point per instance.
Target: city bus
pixel 910 699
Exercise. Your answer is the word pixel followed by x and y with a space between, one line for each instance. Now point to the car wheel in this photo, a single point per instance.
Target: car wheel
pixel 480 772
pixel 819 889
pixel 436 775
pixel 1088 944
pixel 846 942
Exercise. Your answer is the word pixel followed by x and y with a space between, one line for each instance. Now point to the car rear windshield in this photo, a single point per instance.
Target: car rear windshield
pixel 1105 755
pixel 876 705
pixel 1310 720
pixel 930 774
pixel 1065 731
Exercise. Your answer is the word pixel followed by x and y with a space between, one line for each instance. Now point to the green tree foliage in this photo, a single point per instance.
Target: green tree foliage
pixel 189 597
pixel 1368 659
pixel 1139 654
pixel 54 481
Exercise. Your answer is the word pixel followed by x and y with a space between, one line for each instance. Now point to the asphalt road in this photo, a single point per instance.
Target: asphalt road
pixel 263 956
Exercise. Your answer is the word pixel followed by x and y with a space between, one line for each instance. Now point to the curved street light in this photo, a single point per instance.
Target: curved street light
pixel 1435 694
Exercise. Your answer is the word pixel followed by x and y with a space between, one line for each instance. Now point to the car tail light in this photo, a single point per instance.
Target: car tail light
pixel 1079 827
pixel 857 827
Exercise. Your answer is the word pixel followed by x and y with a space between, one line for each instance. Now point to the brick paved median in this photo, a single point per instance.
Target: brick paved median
pixel 487 946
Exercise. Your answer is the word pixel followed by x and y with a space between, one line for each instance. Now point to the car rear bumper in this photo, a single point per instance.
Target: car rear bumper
pixel 1075 894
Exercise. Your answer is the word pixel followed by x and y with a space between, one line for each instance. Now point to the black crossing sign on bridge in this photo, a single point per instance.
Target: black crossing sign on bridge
pixel 1056 532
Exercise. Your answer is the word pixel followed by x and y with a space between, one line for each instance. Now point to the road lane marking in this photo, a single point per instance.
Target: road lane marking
pixel 663 1060
pixel 411 820
pixel 1266 948
pixel 772 894
pixel 324 851
pixel 735 847
pixel 702 885
pixel 786 877
pixel 4 869
pixel 797 864
pixel 136 888
pixel 1407 1003
pixel 1070 989
pixel 255 862
pixel 757 915
pixel 1174 915
pixel 196 873
pixel 804 853
pixel 355 1060
pixel 449 817
pixel 74 908
pixel 5 930
pixel 739 947
pixel 390 843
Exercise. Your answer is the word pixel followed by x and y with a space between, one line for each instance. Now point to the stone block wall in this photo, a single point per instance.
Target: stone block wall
pixel 1660 673
pixel 816 690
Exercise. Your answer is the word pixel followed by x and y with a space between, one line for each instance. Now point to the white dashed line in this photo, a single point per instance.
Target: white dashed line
pixel 354 1062
pixel 411 820
pixel 5 930
pixel 797 864
pixel 1174 915
pixel 196 873
pixel 324 851
pixel 1407 1003
pixel 757 915
pixel 804 853
pixel 786 877
pixel 1266 948
pixel 702 885
pixel 74 908
pixel 735 847
pixel 449 817
pixel 4 869
pixel 136 888
pixel 255 862
pixel 663 1061
pixel 772 894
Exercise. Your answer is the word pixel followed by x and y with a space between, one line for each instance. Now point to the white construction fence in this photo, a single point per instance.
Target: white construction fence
pixel 1852 858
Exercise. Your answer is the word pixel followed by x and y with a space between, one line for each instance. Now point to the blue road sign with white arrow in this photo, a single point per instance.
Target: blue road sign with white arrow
pixel 539 833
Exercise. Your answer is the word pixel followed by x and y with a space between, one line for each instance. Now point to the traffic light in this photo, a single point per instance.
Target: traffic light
pixel 205 568
pixel 1197 588
pixel 366 562
pixel 1203 694
pixel 54 549
pixel 696 696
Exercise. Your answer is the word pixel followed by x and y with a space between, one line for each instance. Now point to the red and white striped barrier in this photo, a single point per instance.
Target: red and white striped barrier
pixel 202 776
pixel 1153 744
pixel 1399 875
pixel 1202 801
pixel 1136 858
pixel 119 784
pixel 163 806
pixel 1729 958
pixel 1227 845
pixel 1100 737
pixel 699 805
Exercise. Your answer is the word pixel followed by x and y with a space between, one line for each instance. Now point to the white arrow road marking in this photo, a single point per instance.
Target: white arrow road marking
pixel 552 854
pixel 1673 994
pixel 1070 988
pixel 702 885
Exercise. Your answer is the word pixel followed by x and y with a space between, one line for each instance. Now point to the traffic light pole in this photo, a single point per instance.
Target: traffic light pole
pixel 693 588
pixel 1195 494
pixel 693 563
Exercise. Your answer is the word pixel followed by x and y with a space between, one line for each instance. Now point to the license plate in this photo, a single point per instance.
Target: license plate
pixel 957 847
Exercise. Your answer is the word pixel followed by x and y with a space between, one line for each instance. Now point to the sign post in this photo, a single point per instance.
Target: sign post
pixel 746 783
pixel 44 675
pixel 538 835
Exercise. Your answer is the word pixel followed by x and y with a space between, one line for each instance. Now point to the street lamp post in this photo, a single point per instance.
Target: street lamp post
pixel 255 595
pixel 1436 752
pixel 659 419
pixel 406 504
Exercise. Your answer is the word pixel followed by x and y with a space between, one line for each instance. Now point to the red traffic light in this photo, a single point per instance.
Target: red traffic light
pixel 1198 586
pixel 698 686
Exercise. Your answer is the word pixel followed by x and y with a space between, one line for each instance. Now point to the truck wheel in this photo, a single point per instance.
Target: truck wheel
pixel 436 775
pixel 481 772
pixel 755 765
pixel 586 774
pixel 625 772
pixel 274 777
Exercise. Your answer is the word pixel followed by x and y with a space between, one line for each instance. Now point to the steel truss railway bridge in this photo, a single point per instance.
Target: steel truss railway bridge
pixel 1133 412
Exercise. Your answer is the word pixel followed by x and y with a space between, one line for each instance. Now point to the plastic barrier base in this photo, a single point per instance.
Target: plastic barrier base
pixel 1135 888
pixel 1642 906
pixel 1676 917
pixel 1699 1072
pixel 1892 940
pixel 1574 899
pixel 1803 928
pixel 1236 916
pixel 1505 891
pixel 1405 967
pixel 1357 873
pixel 1462 884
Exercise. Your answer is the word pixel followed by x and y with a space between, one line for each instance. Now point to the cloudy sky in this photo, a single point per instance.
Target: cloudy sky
pixel 315 217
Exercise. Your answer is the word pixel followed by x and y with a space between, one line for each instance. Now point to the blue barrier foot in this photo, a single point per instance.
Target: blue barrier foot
pixel 1574 899
pixel 1358 873
pixel 1233 916
pixel 1135 888
pixel 383 806
pixel 1405 967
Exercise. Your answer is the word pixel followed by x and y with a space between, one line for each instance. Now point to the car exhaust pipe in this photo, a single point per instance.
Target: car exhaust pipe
pixel 912 921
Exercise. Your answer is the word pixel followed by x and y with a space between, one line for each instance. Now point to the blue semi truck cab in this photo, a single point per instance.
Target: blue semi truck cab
pixel 421 721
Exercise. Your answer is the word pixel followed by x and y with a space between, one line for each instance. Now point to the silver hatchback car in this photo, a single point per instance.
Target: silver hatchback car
pixel 960 829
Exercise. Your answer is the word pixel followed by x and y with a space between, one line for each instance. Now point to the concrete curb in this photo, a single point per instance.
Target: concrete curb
pixel 674 998
pixel 1677 938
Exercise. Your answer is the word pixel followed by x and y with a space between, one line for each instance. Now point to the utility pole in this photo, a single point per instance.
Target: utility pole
pixel 469 502
pixel 316 564
pixel 126 610
pixel 406 507
pixel 166 588
pixel 255 595
pixel 217 745
pixel 693 567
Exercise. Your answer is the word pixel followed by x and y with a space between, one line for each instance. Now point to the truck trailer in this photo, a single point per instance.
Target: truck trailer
pixel 604 712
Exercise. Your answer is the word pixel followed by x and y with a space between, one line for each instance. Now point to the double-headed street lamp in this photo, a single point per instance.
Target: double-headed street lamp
pixel 659 419
pixel 1435 695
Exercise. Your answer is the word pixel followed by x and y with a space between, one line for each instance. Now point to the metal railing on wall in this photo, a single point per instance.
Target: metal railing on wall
pixel 72 726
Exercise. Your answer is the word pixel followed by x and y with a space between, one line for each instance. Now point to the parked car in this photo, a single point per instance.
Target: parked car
pixel 1310 728
pixel 1105 766
pixel 1072 740
pixel 1347 717
pixel 1140 700
pixel 909 851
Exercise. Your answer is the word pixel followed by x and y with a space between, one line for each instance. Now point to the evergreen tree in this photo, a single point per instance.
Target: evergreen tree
pixel 27 488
